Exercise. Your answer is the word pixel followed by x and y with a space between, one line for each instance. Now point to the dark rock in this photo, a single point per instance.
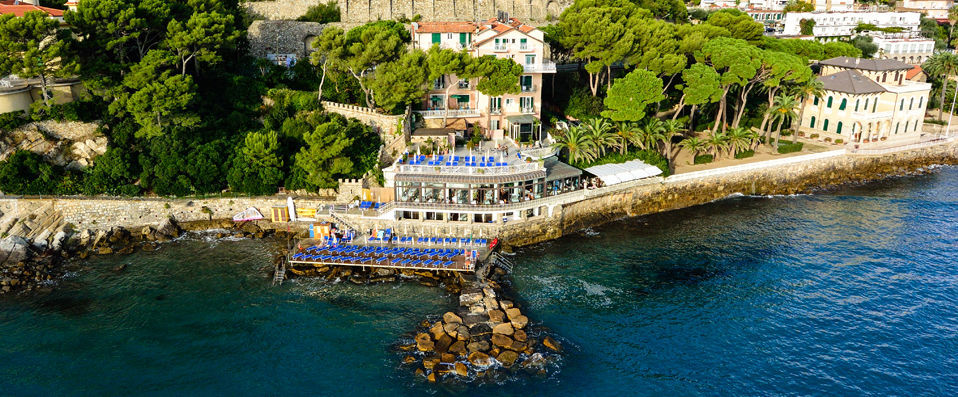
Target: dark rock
pixel 15 249
pixel 480 359
pixel 552 344
pixel 507 357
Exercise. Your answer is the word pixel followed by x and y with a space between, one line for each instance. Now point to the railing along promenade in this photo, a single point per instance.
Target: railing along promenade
pixel 467 170
pixel 894 149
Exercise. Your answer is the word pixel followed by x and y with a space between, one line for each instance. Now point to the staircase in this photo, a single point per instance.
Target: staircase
pixel 279 273
pixel 343 222
pixel 501 261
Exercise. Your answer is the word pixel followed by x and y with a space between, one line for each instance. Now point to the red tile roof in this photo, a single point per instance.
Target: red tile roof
pixel 446 27
pixel 912 73
pixel 8 7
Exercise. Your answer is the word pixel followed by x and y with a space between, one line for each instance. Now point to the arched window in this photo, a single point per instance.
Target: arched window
pixel 874 105
pixel 825 126
pixel 911 102
pixel 838 128
pixel 906 126
pixel 829 104
pixel 921 101
pixel 856 104
pixel 866 104
pixel 897 124
pixel 915 127
pixel 815 102
pixel 812 124
pixel 902 105
pixel 842 105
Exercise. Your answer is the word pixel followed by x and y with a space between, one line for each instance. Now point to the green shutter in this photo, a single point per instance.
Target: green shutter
pixel 812 124
pixel 825 126
pixel 842 106
pixel 839 129
pixel 462 39
pixel 436 38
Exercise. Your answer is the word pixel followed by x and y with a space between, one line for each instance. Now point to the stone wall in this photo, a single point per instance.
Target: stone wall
pixel 391 128
pixel 360 11
pixel 681 191
pixel 69 143
pixel 282 37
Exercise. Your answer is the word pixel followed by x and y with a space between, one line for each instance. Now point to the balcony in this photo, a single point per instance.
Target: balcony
pixel 543 67
pixel 500 48
pixel 871 115
pixel 527 110
pixel 495 111
pixel 453 113
pixel 528 88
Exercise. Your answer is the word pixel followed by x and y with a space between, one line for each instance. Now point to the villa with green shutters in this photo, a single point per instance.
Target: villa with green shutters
pixel 867 101
pixel 514 116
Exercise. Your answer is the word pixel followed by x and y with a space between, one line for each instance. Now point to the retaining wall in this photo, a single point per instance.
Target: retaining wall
pixel 361 11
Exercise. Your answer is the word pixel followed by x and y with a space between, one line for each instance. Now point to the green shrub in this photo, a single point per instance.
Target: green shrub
pixel 788 147
pixel 745 154
pixel 322 13
pixel 839 140
pixel 703 159
pixel 814 136
pixel 10 121
pixel 583 105
pixel 85 110
pixel 27 173
pixel 787 133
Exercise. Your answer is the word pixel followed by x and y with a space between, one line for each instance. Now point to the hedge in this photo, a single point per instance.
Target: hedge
pixel 704 159
pixel 745 154
pixel 10 121
pixel 788 147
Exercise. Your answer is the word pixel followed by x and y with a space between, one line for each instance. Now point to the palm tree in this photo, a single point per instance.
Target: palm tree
pixel 783 108
pixel 651 133
pixel 739 139
pixel 695 144
pixel 942 64
pixel 716 141
pixel 810 88
pixel 670 130
pixel 576 144
pixel 626 134
pixel 599 131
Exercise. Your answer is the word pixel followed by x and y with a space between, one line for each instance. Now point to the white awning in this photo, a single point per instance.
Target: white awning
pixel 611 174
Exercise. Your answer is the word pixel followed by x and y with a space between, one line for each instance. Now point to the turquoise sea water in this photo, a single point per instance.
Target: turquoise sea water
pixel 848 292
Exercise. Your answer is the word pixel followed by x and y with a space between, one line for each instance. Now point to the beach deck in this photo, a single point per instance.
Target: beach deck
pixel 442 255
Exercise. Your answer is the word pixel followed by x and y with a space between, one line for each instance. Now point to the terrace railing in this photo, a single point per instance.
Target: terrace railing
pixel 452 113
pixel 468 170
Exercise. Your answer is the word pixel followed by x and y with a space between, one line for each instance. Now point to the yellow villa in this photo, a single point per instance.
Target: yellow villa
pixel 867 101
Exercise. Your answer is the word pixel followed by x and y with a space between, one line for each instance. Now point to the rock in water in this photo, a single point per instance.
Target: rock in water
pixel 501 340
pixel 520 335
pixel 496 316
pixel 14 249
pixel 520 322
pixel 504 329
pixel 512 313
pixel 552 344
pixel 424 343
pixel 480 359
pixel 58 240
pixel 507 358
pixel 168 228
pixel 461 369
pixel 451 317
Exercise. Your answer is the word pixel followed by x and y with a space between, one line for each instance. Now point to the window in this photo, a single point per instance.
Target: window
pixel 829 104
pixel 815 102
pixel 525 103
pixel 838 128
pixel 464 39
pixel 897 124
pixel 856 104
pixel 494 124
pixel 436 38
pixel 902 105
pixel 825 126
pixel 523 45
pixel 525 83
pixel 874 105
pixel 812 124
pixel 495 104
pixel 906 126
pixel 921 101
pixel 866 104
pixel 911 102
pixel 530 59
pixel 842 106
pixel 449 36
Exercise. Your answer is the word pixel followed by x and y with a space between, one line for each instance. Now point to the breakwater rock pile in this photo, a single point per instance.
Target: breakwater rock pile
pixel 487 339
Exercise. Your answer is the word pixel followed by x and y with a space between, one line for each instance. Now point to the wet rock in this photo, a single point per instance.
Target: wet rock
pixel 104 251
pixel 480 330
pixel 496 316
pixel 424 343
pixel 450 317
pixel 430 363
pixel 505 304
pixel 513 313
pixel 469 299
pixel 432 377
pixel 442 344
pixel 520 322
pixel 120 268
pixel 447 358
pixel 479 346
pixel 409 360
pixel 437 330
pixel 536 360
pixel 520 335
pixel 507 358
pixel 480 359
pixel 501 340
pixel 458 347
pixel 408 347
pixel 462 333
pixel 462 370
pixel 503 329
pixel 168 228
pixel 552 344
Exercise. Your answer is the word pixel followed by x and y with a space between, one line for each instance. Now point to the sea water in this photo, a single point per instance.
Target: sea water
pixel 853 291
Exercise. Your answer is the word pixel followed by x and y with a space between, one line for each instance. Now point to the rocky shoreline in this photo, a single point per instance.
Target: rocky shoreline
pixel 31 264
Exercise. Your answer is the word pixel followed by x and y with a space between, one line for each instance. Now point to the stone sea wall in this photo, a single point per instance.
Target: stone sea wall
pixel 361 11
pixel 680 191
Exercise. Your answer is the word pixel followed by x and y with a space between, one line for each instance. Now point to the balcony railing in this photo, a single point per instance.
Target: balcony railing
pixel 439 113
pixel 528 88
pixel 871 115
pixel 528 110
pixel 465 170
pixel 495 111
pixel 544 67
pixel 500 47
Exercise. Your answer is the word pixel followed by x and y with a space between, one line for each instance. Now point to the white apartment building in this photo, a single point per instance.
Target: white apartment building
pixel 866 101
pixel 834 5
pixel 834 25
pixel 907 48
pixel 516 116
pixel 937 9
